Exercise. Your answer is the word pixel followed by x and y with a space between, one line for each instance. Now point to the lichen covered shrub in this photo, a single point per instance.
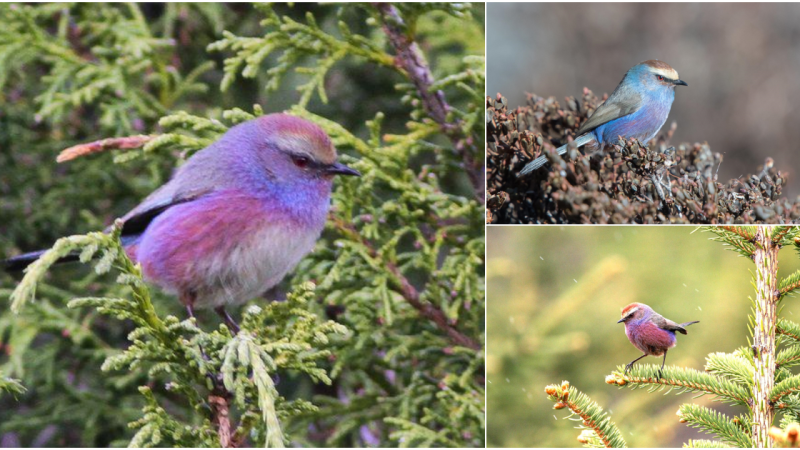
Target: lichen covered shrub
pixel 629 183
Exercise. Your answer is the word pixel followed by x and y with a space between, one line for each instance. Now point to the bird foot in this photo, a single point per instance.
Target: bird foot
pixel 232 325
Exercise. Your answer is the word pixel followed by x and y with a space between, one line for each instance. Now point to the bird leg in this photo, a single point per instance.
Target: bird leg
pixel 188 300
pixel 630 364
pixel 232 325
pixel 662 365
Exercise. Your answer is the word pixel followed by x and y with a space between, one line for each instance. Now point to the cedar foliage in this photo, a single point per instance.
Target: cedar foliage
pixel 379 339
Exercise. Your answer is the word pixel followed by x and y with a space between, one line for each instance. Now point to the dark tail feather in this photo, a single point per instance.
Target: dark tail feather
pixel 686 324
pixel 19 263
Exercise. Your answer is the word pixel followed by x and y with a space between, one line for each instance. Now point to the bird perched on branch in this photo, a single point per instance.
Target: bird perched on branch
pixel 637 108
pixel 236 217
pixel 650 332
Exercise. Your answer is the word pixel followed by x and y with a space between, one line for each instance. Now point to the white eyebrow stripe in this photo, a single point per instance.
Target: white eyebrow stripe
pixel 669 73
pixel 632 311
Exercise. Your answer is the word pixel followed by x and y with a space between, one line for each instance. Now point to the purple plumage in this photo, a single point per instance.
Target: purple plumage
pixel 237 216
pixel 649 331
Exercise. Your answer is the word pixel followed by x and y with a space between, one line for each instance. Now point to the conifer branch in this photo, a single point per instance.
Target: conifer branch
pixel 779 232
pixel 591 413
pixel 788 357
pixel 789 329
pixel 790 284
pixel 11 385
pixel 731 366
pixel 704 443
pixel 410 293
pixel 682 379
pixel 738 238
pixel 784 388
pixel 745 232
pixel 410 58
pixel 714 422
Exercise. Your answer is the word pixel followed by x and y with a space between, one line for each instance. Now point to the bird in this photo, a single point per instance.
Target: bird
pixel 650 332
pixel 637 108
pixel 236 217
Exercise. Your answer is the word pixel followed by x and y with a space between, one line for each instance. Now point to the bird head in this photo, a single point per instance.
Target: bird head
pixel 634 311
pixel 294 149
pixel 655 75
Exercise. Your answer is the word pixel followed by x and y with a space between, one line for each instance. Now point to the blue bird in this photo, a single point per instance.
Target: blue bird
pixel 637 108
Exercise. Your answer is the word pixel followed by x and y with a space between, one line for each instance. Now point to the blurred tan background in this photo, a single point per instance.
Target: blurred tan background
pixel 741 61
pixel 554 296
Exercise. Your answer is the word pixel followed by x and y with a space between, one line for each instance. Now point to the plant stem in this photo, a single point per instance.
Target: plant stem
pixel 410 58
pixel 766 260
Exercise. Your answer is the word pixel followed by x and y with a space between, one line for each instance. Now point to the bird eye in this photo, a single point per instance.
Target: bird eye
pixel 660 78
pixel 300 161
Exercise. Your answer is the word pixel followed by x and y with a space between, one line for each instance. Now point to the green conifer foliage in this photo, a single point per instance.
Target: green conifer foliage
pixel 380 337
pixel 761 391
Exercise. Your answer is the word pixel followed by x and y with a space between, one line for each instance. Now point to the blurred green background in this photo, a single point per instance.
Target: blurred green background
pixel 554 296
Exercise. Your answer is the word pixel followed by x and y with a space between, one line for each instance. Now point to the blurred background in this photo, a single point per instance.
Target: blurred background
pixel 555 295
pixel 741 62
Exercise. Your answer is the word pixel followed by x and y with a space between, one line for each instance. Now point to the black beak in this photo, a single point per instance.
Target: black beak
pixel 340 169
pixel 621 320
pixel 679 83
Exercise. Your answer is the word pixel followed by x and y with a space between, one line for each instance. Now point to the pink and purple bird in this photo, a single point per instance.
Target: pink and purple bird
pixel 236 217
pixel 650 332
pixel 637 108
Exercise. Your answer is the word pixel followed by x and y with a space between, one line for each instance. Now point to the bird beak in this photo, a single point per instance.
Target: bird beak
pixel 679 83
pixel 340 169
pixel 621 320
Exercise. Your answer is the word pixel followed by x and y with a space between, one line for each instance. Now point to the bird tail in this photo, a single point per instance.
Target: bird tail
pixel 686 324
pixel 19 263
pixel 542 160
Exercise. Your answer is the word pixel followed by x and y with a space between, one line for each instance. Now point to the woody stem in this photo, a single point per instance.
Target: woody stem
pixel 766 261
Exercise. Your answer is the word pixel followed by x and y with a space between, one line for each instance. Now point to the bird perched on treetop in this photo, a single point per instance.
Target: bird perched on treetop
pixel 236 217
pixel 650 332
pixel 637 108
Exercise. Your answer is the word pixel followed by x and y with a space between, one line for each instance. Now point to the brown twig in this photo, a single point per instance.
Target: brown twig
pixel 411 295
pixel 409 57
pixel 102 145
pixel 220 417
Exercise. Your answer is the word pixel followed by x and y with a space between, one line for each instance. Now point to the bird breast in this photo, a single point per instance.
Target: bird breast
pixel 228 248
pixel 648 338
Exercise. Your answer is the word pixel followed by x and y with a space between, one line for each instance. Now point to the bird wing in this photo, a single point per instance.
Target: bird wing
pixel 666 324
pixel 136 221
pixel 620 103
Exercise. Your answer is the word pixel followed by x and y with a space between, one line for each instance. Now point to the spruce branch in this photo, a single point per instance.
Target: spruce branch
pixel 732 366
pixel 784 388
pixel 739 239
pixel 789 329
pixel 779 233
pixel 788 357
pixel 745 232
pixel 592 415
pixel 704 443
pixel 790 284
pixel 681 379
pixel 714 422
